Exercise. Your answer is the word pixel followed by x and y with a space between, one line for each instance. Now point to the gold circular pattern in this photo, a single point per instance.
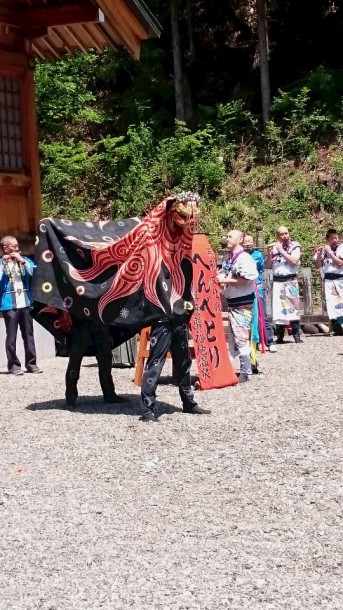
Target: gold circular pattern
pixel 47 287
pixel 86 311
pixel 48 256
pixel 80 290
pixel 36 240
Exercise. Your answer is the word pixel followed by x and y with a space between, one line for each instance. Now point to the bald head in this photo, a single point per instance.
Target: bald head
pixel 282 233
pixel 235 239
pixel 8 239
pixel 9 244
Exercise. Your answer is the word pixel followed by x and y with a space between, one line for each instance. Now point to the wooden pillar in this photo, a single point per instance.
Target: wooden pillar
pixel 32 147
pixel 268 282
pixel 262 29
pixel 307 290
pixel 19 160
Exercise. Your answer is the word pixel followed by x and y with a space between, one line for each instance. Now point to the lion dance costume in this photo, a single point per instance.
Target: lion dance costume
pixel 128 274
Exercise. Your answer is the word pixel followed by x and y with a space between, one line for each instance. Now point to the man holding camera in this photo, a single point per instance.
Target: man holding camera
pixel 238 277
pixel 15 301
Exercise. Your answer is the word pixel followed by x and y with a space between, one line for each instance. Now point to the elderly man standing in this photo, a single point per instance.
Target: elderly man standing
pixel 284 259
pixel 15 301
pixel 238 278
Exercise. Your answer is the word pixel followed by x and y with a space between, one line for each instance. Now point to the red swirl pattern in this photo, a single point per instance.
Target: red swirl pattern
pixel 139 256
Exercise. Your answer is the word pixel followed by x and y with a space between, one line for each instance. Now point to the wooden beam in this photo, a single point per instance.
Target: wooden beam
pixel 47 43
pixel 81 34
pixel 311 319
pixel 88 29
pixel 12 39
pixel 77 12
pixel 127 16
pixel 30 18
pixel 65 44
pixel 37 51
pixel 37 32
pixel 80 43
pixel 130 38
pixel 110 35
pixel 14 59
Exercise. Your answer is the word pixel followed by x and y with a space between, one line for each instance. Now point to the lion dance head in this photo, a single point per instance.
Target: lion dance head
pixel 183 209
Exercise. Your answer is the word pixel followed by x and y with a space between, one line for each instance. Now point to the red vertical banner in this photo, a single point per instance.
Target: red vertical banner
pixel 210 348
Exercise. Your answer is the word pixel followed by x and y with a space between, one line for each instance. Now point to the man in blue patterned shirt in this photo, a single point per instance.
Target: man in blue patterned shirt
pixel 15 301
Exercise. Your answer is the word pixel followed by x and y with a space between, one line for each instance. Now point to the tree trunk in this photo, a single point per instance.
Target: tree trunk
pixel 190 31
pixel 262 28
pixel 177 57
pixel 187 88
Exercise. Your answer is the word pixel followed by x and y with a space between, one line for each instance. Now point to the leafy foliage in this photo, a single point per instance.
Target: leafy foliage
pixel 110 144
pixel 306 115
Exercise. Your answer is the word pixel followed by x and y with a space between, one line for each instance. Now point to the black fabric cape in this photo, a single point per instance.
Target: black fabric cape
pixel 127 274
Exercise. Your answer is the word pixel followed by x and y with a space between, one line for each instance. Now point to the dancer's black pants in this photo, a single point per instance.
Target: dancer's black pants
pixel 22 318
pixel 168 336
pixel 88 333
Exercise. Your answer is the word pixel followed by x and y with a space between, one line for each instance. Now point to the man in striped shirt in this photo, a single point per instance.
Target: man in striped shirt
pixel 15 301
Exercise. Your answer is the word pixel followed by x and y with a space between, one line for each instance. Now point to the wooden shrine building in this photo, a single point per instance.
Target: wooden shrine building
pixel 48 29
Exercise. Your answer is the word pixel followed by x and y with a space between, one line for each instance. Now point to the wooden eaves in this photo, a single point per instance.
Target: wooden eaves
pixel 59 27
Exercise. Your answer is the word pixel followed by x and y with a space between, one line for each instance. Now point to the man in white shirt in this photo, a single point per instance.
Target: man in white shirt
pixel 238 277
pixel 330 259
pixel 284 259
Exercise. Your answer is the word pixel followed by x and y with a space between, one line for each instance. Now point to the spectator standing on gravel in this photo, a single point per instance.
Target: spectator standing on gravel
pixel 258 257
pixel 238 277
pixel 284 259
pixel 15 301
pixel 329 258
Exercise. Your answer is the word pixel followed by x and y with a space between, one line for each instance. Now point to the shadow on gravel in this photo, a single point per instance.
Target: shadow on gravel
pixel 163 380
pixel 94 405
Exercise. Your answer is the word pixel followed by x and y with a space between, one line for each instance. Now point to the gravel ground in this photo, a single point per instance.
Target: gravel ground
pixel 239 510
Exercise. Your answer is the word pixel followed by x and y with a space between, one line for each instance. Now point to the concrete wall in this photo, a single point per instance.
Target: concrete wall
pixel 45 344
